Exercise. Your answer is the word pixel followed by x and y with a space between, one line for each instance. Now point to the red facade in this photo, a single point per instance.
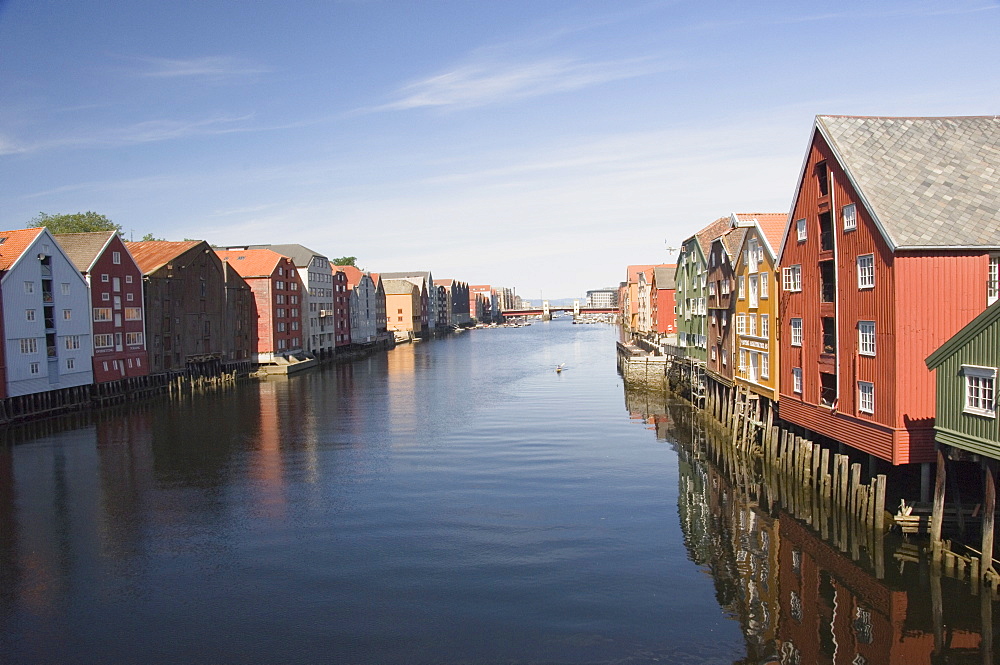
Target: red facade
pixel 867 316
pixel 341 308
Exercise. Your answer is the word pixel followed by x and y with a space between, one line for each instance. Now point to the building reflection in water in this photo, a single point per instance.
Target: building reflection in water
pixel 799 599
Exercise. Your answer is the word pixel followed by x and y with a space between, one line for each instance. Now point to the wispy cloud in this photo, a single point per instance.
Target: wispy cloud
pixel 212 66
pixel 480 84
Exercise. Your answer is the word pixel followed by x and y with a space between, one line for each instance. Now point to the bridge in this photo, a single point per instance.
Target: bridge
pixel 545 311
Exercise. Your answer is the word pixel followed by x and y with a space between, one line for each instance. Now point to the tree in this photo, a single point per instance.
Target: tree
pixel 345 261
pixel 150 236
pixel 80 222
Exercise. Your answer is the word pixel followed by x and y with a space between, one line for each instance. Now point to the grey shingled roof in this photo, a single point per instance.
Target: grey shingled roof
pixel 929 182
pixel 665 277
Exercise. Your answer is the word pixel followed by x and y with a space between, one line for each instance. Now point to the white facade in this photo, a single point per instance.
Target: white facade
pixel 46 310
pixel 318 278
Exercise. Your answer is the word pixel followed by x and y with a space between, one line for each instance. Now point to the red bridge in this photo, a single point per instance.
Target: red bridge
pixel 537 311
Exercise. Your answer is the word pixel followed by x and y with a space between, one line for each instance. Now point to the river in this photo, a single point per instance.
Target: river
pixel 451 501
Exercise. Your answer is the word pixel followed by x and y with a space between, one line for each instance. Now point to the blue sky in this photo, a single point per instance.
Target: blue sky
pixel 541 145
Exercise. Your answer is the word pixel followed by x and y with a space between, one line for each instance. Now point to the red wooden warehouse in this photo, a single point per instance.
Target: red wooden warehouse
pixel 888 251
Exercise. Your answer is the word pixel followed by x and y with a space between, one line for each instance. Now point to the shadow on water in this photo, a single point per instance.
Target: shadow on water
pixel 798 598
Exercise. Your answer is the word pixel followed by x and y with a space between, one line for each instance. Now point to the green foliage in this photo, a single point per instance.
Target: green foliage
pixel 80 222
pixel 150 236
pixel 345 261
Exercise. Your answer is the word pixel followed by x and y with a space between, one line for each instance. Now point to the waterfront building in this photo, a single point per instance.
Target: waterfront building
pixel 888 252
pixel 756 308
pixel 457 297
pixel 363 294
pixel 602 298
pixel 404 302
pixel 665 303
pixel 277 290
pixel 115 284
pixel 341 310
pixel 691 281
pixel 428 294
pixel 965 367
pixel 185 306
pixel 637 312
pixel 313 268
pixel 46 315
pixel 239 318
pixel 722 290
pixel 481 302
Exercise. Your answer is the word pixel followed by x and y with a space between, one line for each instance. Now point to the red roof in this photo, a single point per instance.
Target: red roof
pixel 353 274
pixel 772 225
pixel 14 244
pixel 252 262
pixel 633 272
pixel 150 255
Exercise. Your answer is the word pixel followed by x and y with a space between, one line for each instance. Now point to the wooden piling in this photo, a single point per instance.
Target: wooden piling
pixel 989 512
pixel 937 511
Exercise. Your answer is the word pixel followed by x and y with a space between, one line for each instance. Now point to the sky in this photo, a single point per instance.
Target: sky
pixel 542 145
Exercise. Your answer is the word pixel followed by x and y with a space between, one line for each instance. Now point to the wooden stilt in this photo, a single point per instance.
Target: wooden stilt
pixel 989 511
pixel 937 511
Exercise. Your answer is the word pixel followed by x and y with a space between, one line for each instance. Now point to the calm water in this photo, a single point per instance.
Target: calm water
pixel 453 501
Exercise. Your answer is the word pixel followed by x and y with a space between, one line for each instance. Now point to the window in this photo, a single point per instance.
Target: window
pixel 128 279
pixel 116 284
pixel 725 287
pixel 827 282
pixel 294 286
pixel 711 289
pixel 993 281
pixel 800 229
pixel 133 338
pixel 823 179
pixel 29 315
pixel 70 363
pixel 849 213
pixel 281 326
pixel 828 389
pixel 64 287
pixel 280 312
pixel 106 297
pixel 279 299
pixel 72 342
pixel 796 332
pixel 116 257
pixel 763 286
pixel 866 397
pixel 791 278
pixel 741 291
pixel 752 324
pixel 29 287
pixel 866 271
pixel 29 345
pixel 980 390
pixel 67 315
pixel 105 278
pixel 34 368
pixel 866 338
pixel 765 365
pixel 741 324
pixel 765 325
pixel 797 380
pixel 128 297
pixel 103 341
pixel 829 334
pixel 825 231
pixel 102 314
pixel 754 291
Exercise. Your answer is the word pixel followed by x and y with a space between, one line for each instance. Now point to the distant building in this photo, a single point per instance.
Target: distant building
pixel 603 298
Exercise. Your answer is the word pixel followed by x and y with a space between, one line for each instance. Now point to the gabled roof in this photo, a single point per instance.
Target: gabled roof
pixel 14 243
pixel 398 287
pixel 300 255
pixel 770 224
pixel 250 263
pixel 353 274
pixel 83 249
pixel 927 182
pixel 989 316
pixel 447 283
pixel 664 276
pixel 151 255
pixel 633 272
pixel 710 233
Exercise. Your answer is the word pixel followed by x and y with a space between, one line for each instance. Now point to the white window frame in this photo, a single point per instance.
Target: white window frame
pixel 796 331
pixel 752 325
pixel 741 324
pixel 754 288
pixel 866 338
pixel 104 341
pixel 980 390
pixel 800 229
pixel 993 280
pixel 763 285
pixel 765 325
pixel 866 397
pixel 29 287
pixel 741 288
pixel 72 342
pixel 866 271
pixel 849 214
pixel 29 345
pixel 791 278
pixel 64 286
pixel 765 365
pixel 34 368
pixel 116 258
pixel 797 380
pixel 29 315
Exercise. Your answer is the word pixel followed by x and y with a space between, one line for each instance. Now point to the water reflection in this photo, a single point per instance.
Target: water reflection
pixel 798 598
